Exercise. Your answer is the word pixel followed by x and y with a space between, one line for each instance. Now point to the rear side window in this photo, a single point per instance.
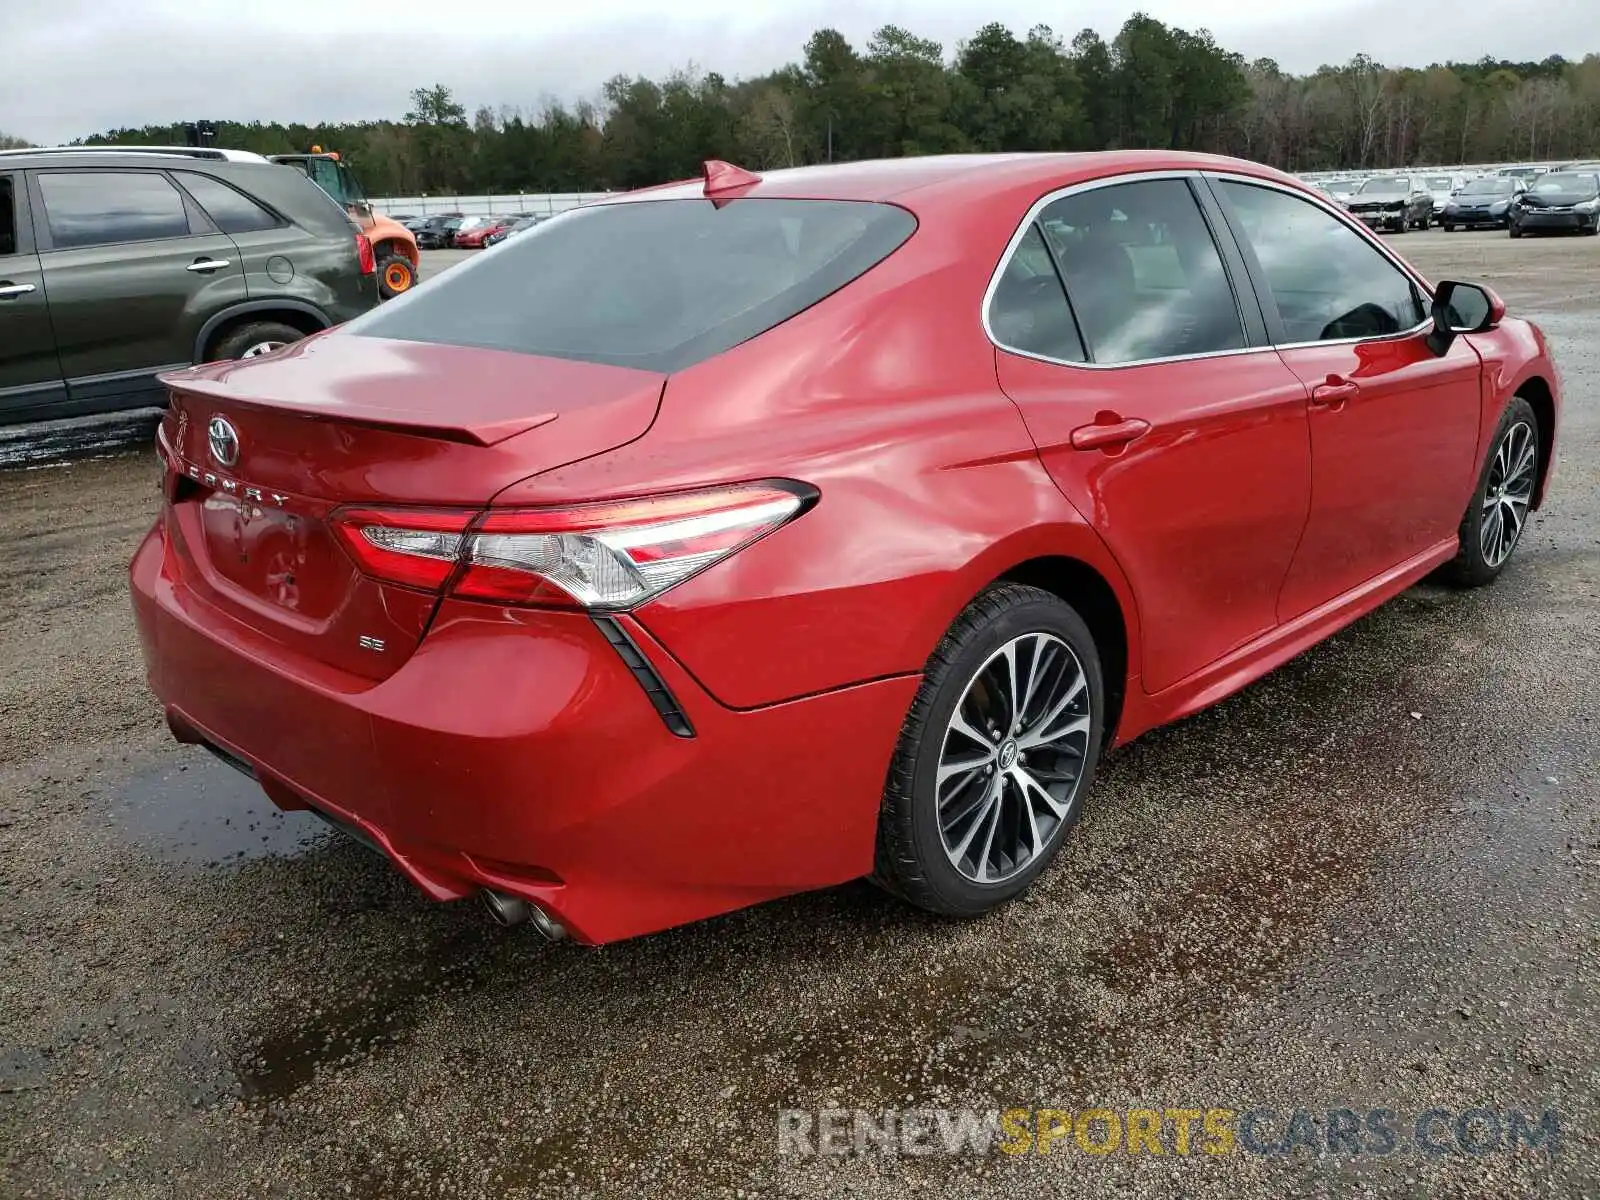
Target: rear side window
pixel 1143 273
pixel 232 211
pixel 8 218
pixel 658 285
pixel 97 208
pixel 1028 311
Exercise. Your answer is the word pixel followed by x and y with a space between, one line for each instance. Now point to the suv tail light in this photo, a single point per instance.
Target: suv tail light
pixel 596 556
pixel 369 262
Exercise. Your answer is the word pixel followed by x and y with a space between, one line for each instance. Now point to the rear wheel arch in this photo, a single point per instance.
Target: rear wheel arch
pixel 397 248
pixel 303 317
pixel 1536 391
pixel 1095 600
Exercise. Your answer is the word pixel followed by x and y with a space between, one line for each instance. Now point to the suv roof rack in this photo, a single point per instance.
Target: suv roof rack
pixel 207 152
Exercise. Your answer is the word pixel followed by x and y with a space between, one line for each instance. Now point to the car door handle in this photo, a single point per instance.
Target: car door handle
pixel 1110 435
pixel 207 264
pixel 1333 392
pixel 10 291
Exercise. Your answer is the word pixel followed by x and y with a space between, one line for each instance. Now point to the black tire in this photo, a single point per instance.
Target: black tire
pixel 1471 567
pixel 252 335
pixel 1514 230
pixel 1449 228
pixel 912 861
pixel 396 275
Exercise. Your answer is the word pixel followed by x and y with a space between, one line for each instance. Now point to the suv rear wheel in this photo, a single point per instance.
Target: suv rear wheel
pixel 996 756
pixel 254 339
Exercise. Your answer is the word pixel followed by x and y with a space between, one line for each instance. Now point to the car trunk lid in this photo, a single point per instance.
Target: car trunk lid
pixel 262 453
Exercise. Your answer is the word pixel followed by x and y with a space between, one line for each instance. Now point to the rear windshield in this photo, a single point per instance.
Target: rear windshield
pixel 658 285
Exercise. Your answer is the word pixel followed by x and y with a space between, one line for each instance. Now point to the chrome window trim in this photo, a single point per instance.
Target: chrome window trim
pixel 1317 200
pixel 1090 185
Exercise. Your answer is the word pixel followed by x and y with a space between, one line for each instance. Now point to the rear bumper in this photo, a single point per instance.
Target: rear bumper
pixel 516 750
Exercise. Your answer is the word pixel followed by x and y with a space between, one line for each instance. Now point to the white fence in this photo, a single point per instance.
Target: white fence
pixel 542 204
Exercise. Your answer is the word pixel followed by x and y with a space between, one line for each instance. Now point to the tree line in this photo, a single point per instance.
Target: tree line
pixel 1152 85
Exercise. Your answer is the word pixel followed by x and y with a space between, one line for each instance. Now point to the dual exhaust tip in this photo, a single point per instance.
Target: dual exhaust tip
pixel 509 910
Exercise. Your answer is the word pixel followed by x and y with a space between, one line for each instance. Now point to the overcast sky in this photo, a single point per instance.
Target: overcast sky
pixel 76 67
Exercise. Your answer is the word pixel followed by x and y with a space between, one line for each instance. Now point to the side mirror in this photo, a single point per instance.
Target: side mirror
pixel 1462 308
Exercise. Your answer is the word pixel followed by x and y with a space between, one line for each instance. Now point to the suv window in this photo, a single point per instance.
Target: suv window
pixel 1029 310
pixel 232 211
pixel 1328 281
pixel 1143 273
pixel 658 285
pixel 96 208
pixel 8 217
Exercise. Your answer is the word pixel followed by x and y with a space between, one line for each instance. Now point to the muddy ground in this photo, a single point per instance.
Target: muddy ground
pixel 1370 881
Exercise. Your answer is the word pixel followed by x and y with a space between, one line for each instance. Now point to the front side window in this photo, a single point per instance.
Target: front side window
pixel 1329 282
pixel 659 285
pixel 1143 273
pixel 98 208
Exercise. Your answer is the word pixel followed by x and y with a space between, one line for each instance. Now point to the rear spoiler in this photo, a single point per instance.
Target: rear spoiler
pixel 481 433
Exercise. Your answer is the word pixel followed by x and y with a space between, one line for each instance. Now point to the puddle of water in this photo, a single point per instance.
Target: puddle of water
pixel 55 442
pixel 202 812
pixel 280 1063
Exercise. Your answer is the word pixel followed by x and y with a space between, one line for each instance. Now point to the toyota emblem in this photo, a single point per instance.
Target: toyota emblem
pixel 224 441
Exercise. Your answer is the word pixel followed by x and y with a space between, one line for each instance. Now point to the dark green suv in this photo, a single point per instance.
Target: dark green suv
pixel 116 264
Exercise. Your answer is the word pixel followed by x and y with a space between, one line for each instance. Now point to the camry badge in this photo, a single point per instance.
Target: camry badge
pixel 224 440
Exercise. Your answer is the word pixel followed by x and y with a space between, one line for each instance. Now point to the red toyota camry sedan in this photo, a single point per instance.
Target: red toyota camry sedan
pixel 759 533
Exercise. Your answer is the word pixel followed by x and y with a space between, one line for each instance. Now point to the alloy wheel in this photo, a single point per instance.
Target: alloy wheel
pixel 1013 756
pixel 1508 494
pixel 260 348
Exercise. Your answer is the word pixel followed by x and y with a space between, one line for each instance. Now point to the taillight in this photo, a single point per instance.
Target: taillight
pixel 601 556
pixel 369 262
pixel 413 547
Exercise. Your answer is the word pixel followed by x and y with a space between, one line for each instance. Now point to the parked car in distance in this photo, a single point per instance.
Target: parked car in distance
pixel 118 263
pixel 1559 202
pixel 466 225
pixel 434 232
pixel 1392 202
pixel 1441 188
pixel 750 535
pixel 516 227
pixel 475 237
pixel 1483 201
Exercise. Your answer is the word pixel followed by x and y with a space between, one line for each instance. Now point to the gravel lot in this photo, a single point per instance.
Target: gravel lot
pixel 1370 881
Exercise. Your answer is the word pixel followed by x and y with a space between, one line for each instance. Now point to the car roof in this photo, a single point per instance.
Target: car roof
pixel 956 176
